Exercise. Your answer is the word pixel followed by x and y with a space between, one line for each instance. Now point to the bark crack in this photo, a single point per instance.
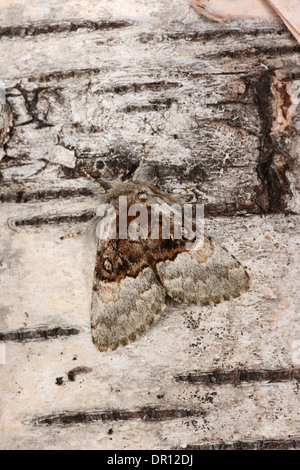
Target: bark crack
pixel 274 161
pixel 63 27
pixel 237 376
pixel 146 414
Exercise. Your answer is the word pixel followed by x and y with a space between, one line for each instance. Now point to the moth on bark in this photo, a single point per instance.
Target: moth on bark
pixel 134 275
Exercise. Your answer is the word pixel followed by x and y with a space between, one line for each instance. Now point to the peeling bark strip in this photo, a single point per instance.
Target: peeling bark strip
pixel 260 444
pixel 237 376
pixel 38 334
pixel 65 27
pixel 146 414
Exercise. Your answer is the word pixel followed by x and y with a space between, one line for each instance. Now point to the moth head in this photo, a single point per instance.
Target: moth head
pixel 117 176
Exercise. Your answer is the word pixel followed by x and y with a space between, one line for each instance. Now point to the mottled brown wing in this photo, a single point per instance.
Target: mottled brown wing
pixel 207 275
pixel 126 298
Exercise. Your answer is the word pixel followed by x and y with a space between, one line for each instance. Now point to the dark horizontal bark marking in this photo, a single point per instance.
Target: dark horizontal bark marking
pixel 24 196
pixel 227 209
pixel 60 75
pixel 145 414
pixel 154 105
pixel 200 36
pixel 64 74
pixel 252 51
pixel 65 27
pixel 140 87
pixel 63 219
pixel 260 444
pixel 37 334
pixel 237 376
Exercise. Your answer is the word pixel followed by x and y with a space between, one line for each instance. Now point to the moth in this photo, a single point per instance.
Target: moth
pixel 133 278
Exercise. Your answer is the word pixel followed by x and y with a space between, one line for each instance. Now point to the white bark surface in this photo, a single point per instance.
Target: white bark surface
pixel 87 84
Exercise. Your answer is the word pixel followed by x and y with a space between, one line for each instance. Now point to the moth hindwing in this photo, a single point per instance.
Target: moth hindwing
pixel 133 276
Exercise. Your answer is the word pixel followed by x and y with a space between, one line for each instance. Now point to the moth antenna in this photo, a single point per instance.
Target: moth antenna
pixel 140 163
pixel 91 178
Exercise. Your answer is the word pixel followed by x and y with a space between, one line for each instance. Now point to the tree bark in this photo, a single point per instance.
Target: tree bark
pixel 216 107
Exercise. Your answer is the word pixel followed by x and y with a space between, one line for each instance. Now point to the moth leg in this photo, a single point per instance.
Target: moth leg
pixel 73 235
pixel 90 230
pixel 102 189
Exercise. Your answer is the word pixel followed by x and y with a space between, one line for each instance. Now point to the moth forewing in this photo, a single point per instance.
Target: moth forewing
pixel 126 297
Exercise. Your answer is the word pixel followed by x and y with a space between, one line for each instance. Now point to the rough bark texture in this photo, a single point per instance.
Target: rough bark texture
pixel 216 107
